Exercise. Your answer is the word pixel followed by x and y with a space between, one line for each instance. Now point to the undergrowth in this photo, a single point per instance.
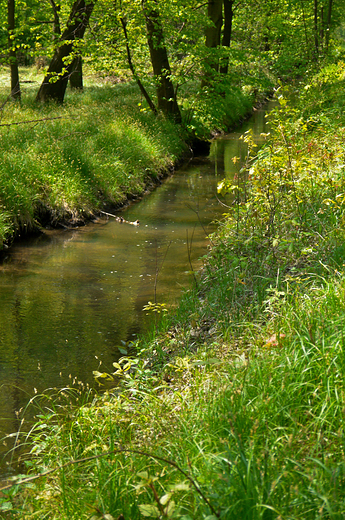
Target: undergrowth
pixel 235 409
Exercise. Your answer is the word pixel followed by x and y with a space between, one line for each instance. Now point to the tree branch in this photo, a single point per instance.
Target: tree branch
pixel 31 121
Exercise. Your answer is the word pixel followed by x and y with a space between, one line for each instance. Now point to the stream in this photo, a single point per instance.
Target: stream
pixel 71 298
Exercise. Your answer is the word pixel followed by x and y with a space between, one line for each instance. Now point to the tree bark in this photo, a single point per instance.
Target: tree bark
pixel 76 77
pixel 56 24
pixel 329 19
pixel 322 27
pixel 213 32
pixel 55 82
pixel 227 31
pixel 316 34
pixel 305 30
pixel 166 95
pixel 212 38
pixel 15 86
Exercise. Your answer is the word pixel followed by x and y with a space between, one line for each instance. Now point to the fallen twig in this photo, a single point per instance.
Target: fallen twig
pixel 32 121
pixel 120 219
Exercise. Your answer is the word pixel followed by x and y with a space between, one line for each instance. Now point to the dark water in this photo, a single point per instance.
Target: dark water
pixel 70 298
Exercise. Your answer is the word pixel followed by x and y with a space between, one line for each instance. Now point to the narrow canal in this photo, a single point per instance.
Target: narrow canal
pixel 71 298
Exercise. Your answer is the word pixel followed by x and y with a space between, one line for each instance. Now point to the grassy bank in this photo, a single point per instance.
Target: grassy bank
pixel 62 164
pixel 235 409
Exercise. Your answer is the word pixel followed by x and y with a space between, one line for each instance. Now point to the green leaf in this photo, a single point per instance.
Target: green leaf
pixel 171 508
pixel 6 506
pixel 181 486
pixel 102 375
pixel 143 474
pixel 149 510
pixel 165 498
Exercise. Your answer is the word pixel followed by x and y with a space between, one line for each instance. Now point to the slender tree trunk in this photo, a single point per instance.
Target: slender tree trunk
pixel 132 69
pixel 56 24
pixel 322 27
pixel 15 86
pixel 212 39
pixel 227 31
pixel 60 69
pixel 166 95
pixel 305 30
pixel 316 33
pixel 328 25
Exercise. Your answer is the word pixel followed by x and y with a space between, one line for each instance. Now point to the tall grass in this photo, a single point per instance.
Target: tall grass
pixel 235 410
pixel 64 163
pixel 96 150
pixel 259 432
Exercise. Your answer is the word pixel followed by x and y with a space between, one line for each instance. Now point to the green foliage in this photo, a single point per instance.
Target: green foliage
pixel 245 418
pixel 235 410
pixel 269 40
pixel 155 307
pixel 259 434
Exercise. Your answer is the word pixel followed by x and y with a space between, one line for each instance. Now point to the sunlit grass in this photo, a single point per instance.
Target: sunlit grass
pixel 64 163
pixel 235 410
pixel 99 148
pixel 259 431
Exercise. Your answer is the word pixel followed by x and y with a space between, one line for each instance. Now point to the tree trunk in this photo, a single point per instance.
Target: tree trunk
pixel 56 24
pixel 15 86
pixel 76 77
pixel 166 95
pixel 132 69
pixel 212 40
pixel 214 11
pixel 305 30
pixel 316 34
pixel 55 82
pixel 322 27
pixel 328 25
pixel 227 30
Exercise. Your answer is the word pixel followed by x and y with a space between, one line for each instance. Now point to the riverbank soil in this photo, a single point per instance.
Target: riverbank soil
pixel 234 407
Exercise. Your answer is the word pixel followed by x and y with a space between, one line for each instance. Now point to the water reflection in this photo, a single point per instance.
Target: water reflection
pixel 69 297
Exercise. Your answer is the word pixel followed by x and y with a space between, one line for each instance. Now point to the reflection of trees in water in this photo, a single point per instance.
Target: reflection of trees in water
pixel 12 391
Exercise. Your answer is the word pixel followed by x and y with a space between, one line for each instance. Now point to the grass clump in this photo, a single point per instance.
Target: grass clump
pixel 70 161
pixel 235 409
pixel 65 163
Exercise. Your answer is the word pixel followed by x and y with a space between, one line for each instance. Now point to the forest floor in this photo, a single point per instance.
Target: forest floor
pixel 233 407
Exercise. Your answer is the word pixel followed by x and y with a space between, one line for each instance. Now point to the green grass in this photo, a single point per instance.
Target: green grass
pixel 98 149
pixel 234 409
pixel 260 430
